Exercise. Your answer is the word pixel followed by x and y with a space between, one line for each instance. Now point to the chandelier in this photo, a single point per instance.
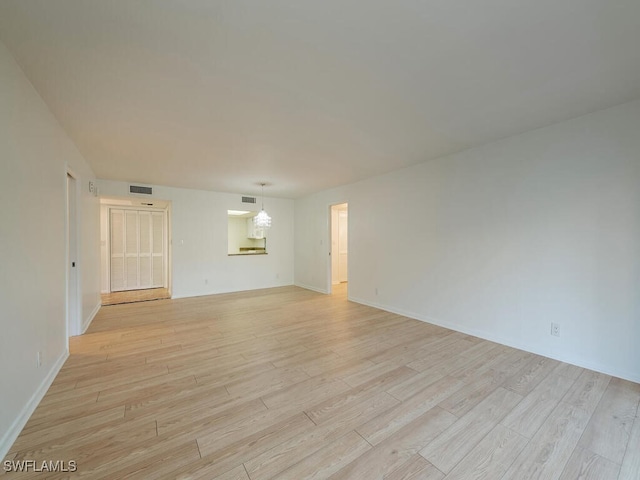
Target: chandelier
pixel 262 220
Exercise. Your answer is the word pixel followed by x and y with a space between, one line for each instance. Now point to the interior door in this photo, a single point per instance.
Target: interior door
pixel 343 244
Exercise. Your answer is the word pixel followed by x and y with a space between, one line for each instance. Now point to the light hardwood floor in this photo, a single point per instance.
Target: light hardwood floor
pixel 290 384
pixel 132 296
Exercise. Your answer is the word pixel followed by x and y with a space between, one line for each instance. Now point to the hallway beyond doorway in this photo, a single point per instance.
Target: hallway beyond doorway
pixel 338 232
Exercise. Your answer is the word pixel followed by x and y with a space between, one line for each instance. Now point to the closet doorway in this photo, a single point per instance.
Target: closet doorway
pixel 135 253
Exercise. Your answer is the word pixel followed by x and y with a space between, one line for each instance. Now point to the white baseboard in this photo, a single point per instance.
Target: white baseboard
pixel 595 366
pixel 90 318
pixel 309 287
pixel 21 420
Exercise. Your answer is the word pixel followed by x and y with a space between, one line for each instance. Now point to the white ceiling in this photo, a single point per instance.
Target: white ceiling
pixel 308 94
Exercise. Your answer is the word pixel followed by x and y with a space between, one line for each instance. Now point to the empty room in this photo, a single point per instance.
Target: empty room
pixel 303 239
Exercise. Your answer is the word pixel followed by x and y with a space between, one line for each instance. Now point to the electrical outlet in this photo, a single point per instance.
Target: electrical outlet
pixel 39 359
pixel 376 291
pixel 206 281
pixel 555 329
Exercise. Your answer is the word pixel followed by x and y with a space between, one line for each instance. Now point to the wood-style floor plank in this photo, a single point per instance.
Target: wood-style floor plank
pixel 416 468
pixel 631 463
pixel 287 383
pixel 548 452
pixel 534 409
pixel 458 440
pixel 586 465
pixel 327 460
pixel 609 429
pixel 406 412
pixel 286 454
pixel 491 457
pixel 394 451
pixel 238 473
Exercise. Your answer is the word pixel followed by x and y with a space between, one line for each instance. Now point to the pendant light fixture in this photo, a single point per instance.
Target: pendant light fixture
pixel 262 220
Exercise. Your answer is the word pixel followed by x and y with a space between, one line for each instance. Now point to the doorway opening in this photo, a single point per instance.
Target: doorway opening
pixel 135 250
pixel 339 231
pixel 73 288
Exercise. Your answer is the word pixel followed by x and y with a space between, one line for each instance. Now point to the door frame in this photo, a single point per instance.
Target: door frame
pixel 73 325
pixel 330 241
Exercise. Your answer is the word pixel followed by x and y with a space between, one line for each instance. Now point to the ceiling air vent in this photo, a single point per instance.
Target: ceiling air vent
pixel 138 189
pixel 248 199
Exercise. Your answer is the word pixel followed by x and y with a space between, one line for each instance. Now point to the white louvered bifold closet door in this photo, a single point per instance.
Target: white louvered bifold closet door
pixel 117 250
pixel 131 243
pixel 145 249
pixel 158 249
pixel 137 249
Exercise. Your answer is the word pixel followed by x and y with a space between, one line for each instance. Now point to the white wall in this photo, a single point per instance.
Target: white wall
pixel 500 241
pixel 89 243
pixel 200 263
pixel 34 154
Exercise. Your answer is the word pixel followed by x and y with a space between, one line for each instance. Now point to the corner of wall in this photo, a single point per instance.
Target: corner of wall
pixel 87 321
pixel 492 337
pixel 309 287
